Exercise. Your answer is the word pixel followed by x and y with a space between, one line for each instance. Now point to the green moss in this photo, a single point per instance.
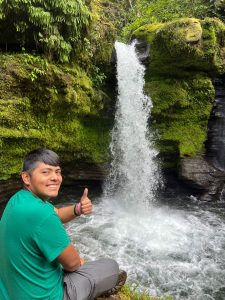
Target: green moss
pixel 181 109
pixel 57 108
pixel 213 42
pixel 184 45
pixel 12 150
pixel 96 48
pixel 147 32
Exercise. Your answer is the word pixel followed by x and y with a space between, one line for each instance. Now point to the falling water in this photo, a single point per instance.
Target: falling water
pixel 176 250
pixel 134 174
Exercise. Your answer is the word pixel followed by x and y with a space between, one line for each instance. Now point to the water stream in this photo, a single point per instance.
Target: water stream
pixel 176 249
pixel 134 174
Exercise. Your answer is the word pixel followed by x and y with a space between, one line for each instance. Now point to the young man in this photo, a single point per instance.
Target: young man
pixel 37 259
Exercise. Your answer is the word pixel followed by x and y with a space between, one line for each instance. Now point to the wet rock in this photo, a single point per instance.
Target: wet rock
pixel 199 173
pixel 215 144
pixel 142 49
pixel 84 171
pixel 8 188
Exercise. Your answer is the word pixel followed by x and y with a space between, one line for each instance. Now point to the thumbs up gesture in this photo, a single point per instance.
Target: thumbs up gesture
pixel 85 203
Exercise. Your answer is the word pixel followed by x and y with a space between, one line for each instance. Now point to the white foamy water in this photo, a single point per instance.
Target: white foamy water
pixel 166 251
pixel 134 174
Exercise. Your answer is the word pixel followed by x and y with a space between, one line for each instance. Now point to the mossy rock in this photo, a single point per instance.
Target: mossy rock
pixel 181 109
pixel 45 105
pixel 183 45
pixel 184 55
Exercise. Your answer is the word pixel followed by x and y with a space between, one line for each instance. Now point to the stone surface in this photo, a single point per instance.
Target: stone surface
pixel 8 188
pixel 197 172
pixel 215 144
pixel 143 49
pixel 84 171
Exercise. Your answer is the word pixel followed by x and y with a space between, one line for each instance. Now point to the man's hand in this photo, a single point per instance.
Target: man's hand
pixel 82 261
pixel 66 214
pixel 85 203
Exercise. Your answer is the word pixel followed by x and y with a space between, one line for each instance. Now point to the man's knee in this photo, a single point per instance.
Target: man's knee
pixel 110 264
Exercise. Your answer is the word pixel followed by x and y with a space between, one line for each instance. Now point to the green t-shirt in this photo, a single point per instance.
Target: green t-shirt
pixel 31 238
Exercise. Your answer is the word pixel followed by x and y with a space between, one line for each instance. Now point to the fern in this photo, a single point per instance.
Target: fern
pixel 53 27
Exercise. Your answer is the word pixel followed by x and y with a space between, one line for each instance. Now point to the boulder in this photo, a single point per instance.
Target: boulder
pixel 185 45
pixel 197 172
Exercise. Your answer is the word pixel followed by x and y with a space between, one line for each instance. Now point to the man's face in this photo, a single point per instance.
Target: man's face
pixel 44 181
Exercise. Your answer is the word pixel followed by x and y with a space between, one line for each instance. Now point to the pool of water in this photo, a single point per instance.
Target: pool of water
pixel 175 246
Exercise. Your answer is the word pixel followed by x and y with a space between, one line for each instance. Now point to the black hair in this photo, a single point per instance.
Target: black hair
pixel 43 155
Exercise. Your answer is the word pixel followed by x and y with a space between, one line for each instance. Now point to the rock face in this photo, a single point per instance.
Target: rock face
pixel 208 173
pixel 84 171
pixel 184 56
pixel 204 177
pixel 215 144
pixel 8 188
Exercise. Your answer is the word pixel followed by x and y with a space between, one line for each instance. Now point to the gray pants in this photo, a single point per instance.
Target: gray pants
pixel 91 280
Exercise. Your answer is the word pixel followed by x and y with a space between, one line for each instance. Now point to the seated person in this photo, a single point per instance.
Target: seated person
pixel 37 259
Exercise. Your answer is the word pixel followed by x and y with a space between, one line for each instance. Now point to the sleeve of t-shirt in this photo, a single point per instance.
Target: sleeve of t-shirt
pixel 51 237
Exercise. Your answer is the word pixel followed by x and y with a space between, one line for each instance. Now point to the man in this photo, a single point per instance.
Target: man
pixel 37 259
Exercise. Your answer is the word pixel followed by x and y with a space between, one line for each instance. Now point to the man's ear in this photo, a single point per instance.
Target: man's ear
pixel 26 178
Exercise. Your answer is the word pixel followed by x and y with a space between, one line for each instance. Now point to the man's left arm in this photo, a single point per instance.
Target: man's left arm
pixel 68 213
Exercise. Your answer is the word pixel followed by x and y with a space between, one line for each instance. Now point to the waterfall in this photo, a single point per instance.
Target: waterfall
pixel 134 174
pixel 176 249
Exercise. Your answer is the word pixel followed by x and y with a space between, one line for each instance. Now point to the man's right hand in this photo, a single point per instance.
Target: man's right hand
pixel 85 203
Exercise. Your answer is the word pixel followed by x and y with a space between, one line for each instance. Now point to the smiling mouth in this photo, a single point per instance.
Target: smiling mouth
pixel 53 185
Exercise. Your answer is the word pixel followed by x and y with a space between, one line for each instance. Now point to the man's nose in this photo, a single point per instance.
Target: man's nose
pixel 54 176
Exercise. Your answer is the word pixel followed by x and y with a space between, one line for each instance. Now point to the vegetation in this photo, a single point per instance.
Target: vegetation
pixel 54 61
pixel 161 11
pixel 128 293
pixel 52 27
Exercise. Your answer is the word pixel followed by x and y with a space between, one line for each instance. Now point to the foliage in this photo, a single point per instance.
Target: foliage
pixel 63 106
pixel 52 27
pixel 157 11
pixel 95 51
pixel 131 293
pixel 167 10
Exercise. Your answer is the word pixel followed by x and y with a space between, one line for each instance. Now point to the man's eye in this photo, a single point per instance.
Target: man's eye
pixel 59 172
pixel 45 172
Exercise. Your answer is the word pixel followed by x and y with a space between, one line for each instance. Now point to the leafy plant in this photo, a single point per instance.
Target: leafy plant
pixel 131 293
pixel 53 27
pixel 154 11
